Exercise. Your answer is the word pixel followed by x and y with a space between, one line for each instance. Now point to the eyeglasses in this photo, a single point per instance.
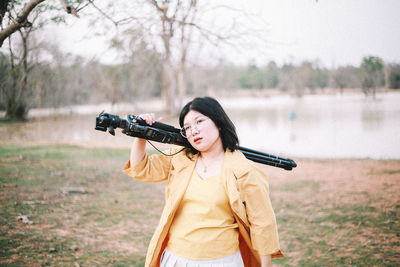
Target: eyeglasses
pixel 187 130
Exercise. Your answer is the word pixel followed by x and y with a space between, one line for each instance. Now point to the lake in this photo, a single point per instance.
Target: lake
pixel 320 126
pixel 323 126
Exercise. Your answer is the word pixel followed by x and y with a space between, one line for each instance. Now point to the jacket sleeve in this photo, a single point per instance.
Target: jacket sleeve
pixel 263 228
pixel 154 168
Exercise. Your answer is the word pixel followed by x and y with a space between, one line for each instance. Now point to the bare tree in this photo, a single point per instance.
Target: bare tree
pixel 16 95
pixel 184 28
pixel 179 30
pixel 21 66
pixel 176 19
pixel 346 77
pixel 24 18
pixel 19 21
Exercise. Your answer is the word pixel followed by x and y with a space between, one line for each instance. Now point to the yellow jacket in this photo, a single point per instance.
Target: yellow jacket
pixel 247 190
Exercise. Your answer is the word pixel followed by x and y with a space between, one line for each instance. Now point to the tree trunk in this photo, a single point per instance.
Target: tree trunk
pixel 180 85
pixel 167 87
pixel 20 22
pixel 16 107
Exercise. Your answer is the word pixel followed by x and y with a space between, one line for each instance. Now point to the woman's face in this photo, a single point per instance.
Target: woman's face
pixel 201 131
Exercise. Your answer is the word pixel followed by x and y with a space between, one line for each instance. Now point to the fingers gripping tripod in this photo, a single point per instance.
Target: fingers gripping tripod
pixel 164 133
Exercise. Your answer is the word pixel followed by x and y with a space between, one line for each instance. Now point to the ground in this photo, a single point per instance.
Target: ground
pixel 83 211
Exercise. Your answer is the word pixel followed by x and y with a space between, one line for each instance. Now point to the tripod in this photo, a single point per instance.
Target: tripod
pixel 164 133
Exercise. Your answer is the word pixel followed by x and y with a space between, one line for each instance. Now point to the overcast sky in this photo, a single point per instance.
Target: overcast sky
pixel 337 32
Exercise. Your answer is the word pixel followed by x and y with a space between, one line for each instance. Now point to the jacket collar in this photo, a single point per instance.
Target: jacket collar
pixel 181 161
pixel 236 162
pixel 235 167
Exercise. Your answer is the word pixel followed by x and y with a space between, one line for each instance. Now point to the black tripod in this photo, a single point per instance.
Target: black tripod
pixel 164 133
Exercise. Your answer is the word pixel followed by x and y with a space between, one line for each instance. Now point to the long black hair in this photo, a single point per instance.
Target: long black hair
pixel 211 108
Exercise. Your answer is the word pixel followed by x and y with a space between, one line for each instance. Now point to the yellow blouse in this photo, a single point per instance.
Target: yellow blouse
pixel 204 226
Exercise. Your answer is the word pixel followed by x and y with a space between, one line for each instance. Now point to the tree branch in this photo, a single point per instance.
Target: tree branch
pixel 22 18
pixel 20 21
pixel 103 13
pixel 68 8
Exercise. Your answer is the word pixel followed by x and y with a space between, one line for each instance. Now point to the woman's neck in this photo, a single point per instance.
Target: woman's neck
pixel 216 152
pixel 210 162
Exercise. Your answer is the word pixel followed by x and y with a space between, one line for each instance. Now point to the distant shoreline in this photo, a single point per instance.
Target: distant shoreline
pixel 156 104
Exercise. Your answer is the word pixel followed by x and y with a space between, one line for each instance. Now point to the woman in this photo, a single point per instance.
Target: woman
pixel 217 210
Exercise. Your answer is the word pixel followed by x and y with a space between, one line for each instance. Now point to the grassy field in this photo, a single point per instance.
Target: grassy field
pixel 81 210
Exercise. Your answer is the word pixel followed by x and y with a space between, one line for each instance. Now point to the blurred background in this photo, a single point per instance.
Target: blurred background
pixel 314 80
pixel 308 78
pixel 301 78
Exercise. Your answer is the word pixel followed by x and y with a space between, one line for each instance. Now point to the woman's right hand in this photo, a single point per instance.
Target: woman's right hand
pixel 138 149
pixel 149 118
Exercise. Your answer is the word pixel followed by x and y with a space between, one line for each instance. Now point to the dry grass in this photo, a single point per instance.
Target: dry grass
pixel 85 211
pixel 338 212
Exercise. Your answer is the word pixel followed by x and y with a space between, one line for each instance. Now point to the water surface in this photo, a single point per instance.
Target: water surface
pixel 326 126
pixel 322 126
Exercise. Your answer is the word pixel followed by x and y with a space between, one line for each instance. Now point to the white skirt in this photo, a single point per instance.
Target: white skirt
pixel 169 259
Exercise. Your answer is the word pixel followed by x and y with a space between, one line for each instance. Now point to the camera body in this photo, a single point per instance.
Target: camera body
pixel 136 127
